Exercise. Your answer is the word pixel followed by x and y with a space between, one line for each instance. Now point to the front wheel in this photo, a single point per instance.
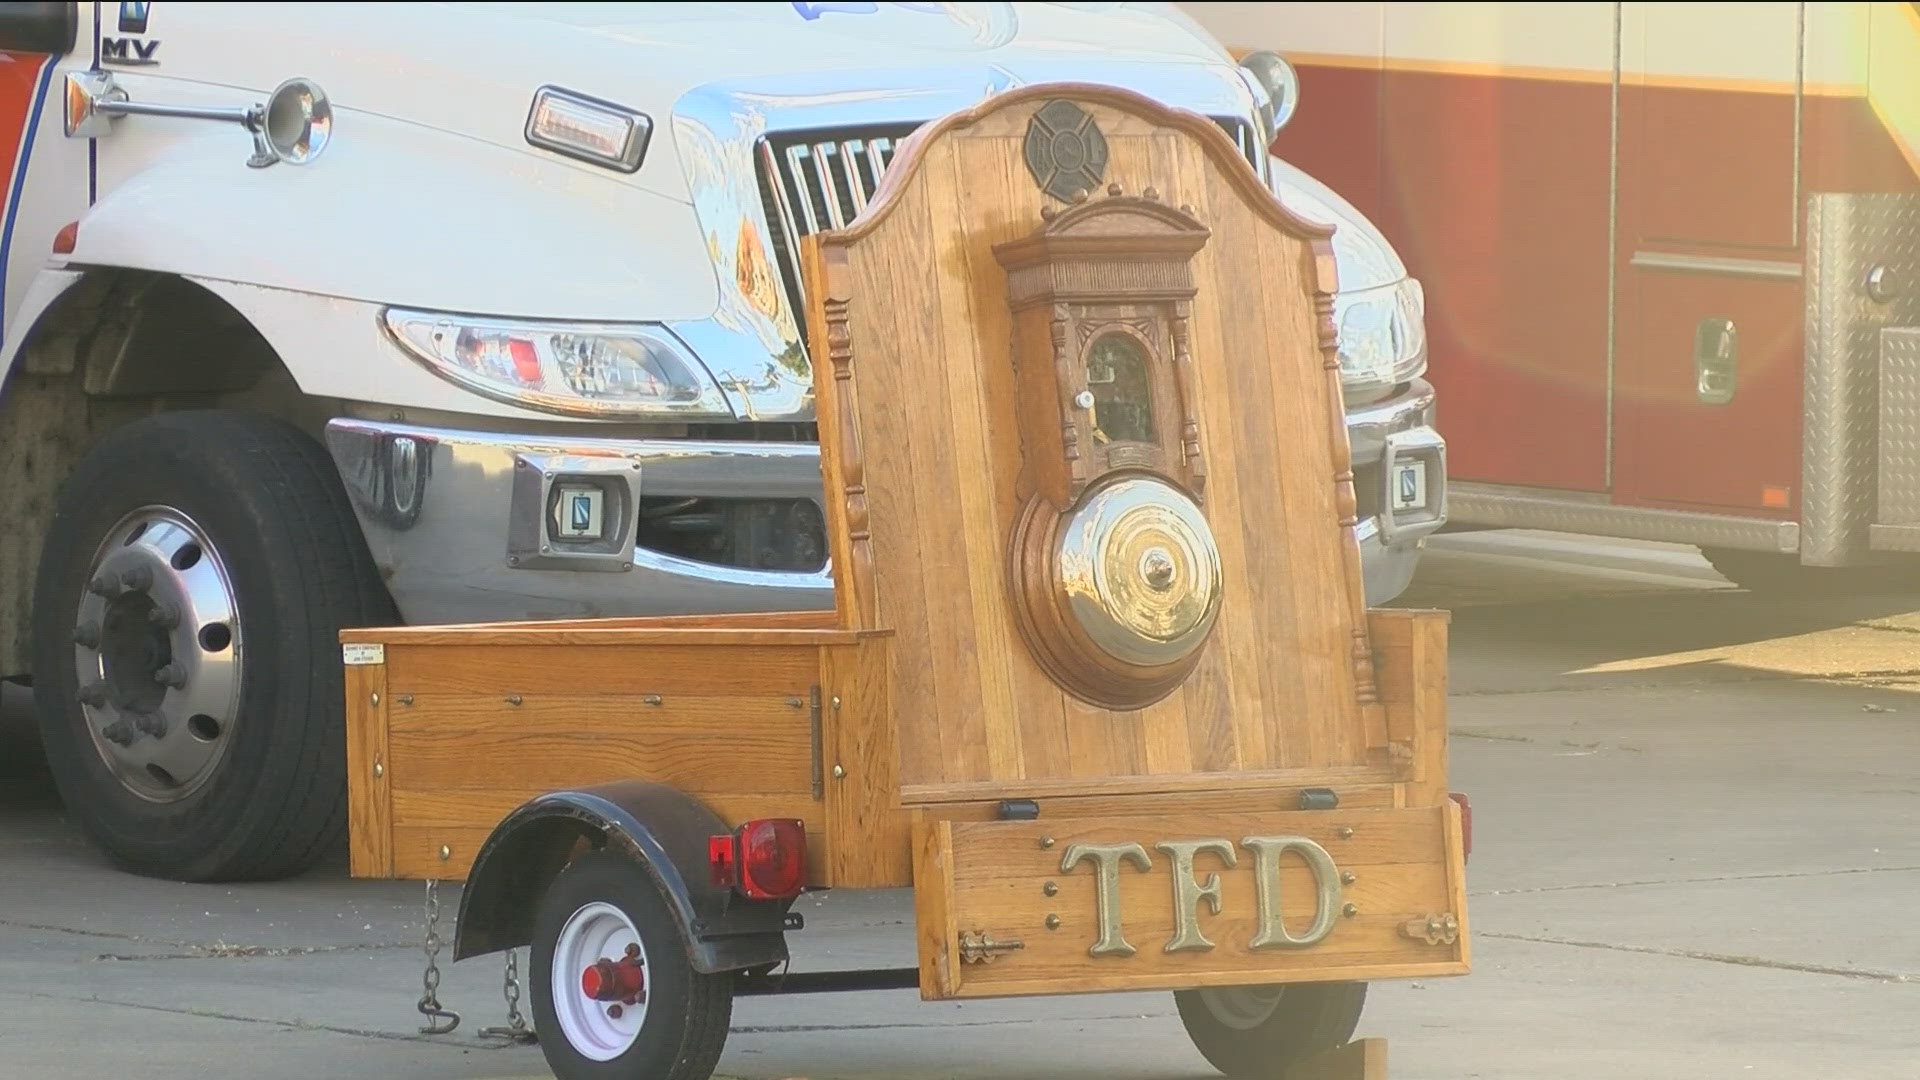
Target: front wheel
pixel 614 996
pixel 195 578
pixel 1260 1032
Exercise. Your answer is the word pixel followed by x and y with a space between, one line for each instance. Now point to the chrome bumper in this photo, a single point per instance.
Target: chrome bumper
pixel 1382 434
pixel 456 520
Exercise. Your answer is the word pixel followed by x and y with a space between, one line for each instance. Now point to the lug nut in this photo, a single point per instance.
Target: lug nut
pixel 171 675
pixel 87 635
pixel 614 1011
pixel 139 579
pixel 107 585
pixel 93 694
pixel 120 731
pixel 164 616
pixel 152 723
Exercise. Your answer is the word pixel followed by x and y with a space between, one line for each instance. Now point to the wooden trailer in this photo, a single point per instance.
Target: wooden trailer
pixel 1099 683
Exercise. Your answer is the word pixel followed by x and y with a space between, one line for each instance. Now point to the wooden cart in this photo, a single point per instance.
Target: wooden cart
pixel 1099 683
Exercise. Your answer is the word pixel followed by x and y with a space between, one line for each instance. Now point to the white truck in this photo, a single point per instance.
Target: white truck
pixel 325 315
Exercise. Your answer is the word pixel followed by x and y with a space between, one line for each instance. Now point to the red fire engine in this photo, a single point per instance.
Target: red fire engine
pixel 1671 253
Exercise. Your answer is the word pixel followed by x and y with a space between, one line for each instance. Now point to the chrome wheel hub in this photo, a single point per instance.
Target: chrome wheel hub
pixel 156 646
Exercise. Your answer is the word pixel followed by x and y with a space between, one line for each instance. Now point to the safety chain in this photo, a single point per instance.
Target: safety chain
pixel 430 1006
pixel 516 1029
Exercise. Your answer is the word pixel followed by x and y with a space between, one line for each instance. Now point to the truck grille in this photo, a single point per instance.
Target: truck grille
pixel 816 180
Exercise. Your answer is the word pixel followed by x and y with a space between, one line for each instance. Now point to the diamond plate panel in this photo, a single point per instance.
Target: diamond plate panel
pixel 1899 426
pixel 1847 237
pixel 1503 507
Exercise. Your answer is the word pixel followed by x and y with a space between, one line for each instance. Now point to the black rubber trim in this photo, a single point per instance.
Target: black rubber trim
pixel 662 828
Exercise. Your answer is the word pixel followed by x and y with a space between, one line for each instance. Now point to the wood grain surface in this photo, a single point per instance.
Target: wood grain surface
pixel 920 436
pixel 994 878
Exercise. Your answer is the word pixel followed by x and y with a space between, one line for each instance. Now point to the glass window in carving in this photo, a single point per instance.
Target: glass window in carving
pixel 1122 388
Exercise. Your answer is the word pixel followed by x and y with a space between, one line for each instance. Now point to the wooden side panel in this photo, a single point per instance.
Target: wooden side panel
pixel 934 927
pixel 1011 881
pixel 1412 647
pixel 926 395
pixel 863 817
pixel 471 730
pixel 369 796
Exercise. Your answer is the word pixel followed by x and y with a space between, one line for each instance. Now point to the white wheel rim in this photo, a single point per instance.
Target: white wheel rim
pixel 1242 1008
pixel 595 932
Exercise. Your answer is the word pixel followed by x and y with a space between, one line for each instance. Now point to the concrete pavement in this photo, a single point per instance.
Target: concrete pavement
pixel 1697 855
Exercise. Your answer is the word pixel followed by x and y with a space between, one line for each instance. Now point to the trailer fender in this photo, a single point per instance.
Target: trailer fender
pixel 662 828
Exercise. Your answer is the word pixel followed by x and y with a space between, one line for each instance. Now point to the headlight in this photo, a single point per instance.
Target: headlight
pixel 1382 334
pixel 583 369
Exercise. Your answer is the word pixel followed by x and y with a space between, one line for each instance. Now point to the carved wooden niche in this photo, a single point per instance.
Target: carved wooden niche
pixel 1113 568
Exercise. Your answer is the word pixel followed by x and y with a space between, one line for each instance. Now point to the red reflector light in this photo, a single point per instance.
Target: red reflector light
pixel 68 236
pixel 773 858
pixel 720 859
pixel 1466 823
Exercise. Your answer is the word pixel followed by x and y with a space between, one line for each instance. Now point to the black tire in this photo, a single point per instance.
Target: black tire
pixel 1307 1019
pixel 685 1026
pixel 270 503
pixel 1766 573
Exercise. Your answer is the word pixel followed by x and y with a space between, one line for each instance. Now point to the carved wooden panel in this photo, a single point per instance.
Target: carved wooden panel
pixel 959 324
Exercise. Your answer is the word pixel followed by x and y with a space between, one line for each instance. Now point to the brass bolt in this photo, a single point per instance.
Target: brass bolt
pixel 1053 922
pixel 375 698
pixel 839 771
pixel 445 853
pixel 1046 841
pixel 404 699
pixel 1350 911
pixel 379 770
pixel 651 699
pixel 1348 877
pixel 1346 832
pixel 513 699
pixel 1050 888
pixel 795 703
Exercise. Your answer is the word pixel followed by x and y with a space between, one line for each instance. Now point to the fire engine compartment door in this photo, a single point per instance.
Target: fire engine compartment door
pixel 1708 342
pixel 1188 899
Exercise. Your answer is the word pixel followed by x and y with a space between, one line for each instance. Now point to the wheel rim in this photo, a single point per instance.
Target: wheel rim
pixel 157 649
pixel 600 1028
pixel 1242 1008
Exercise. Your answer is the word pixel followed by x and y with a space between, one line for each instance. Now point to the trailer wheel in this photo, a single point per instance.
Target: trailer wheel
pixel 197 571
pixel 614 996
pixel 1260 1032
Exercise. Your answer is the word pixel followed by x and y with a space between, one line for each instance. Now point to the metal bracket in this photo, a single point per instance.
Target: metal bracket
pixel 1440 929
pixel 978 947
pixel 814 736
pixel 94 100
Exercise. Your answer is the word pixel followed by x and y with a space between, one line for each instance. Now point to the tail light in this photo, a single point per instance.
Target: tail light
pixel 764 859
pixel 1466 823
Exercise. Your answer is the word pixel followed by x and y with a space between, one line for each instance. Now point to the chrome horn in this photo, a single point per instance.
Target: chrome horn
pixel 293 125
pixel 299 121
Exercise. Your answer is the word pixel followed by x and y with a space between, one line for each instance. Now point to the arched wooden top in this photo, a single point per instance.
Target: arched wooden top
pixel 949 324
pixel 1224 154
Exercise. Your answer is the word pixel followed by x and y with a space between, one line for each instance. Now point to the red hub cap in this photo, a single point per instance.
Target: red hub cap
pixel 621 980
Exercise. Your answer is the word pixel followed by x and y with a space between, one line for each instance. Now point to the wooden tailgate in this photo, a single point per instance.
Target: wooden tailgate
pixel 1015 907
